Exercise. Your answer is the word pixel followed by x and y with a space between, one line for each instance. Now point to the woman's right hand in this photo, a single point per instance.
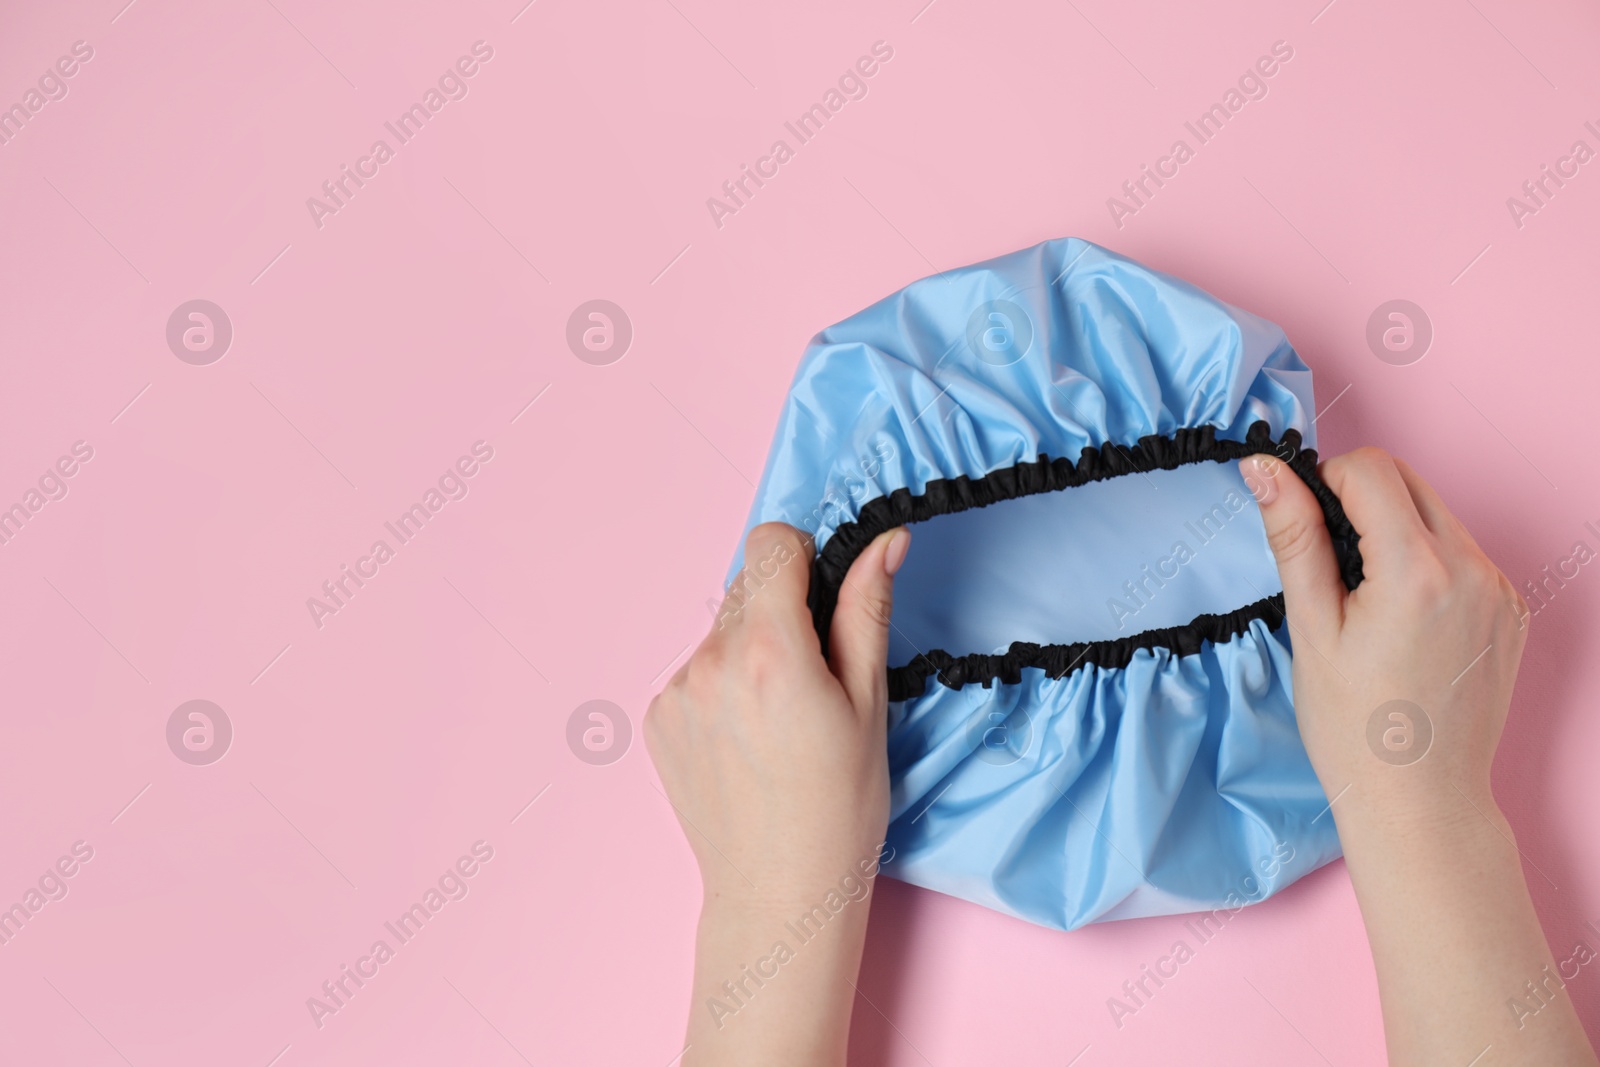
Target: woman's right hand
pixel 1401 689
pixel 1402 685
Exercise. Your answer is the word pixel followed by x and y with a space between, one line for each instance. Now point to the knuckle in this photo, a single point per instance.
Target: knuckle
pixel 1293 539
pixel 1371 456
pixel 1358 463
pixel 773 656
pixel 877 607
pixel 1512 594
pixel 661 725
pixel 776 541
pixel 712 652
pixel 765 642
pixel 732 606
pixel 1523 613
pixel 706 666
pixel 653 728
pixel 1427 579
pixel 1483 580
pixel 1465 581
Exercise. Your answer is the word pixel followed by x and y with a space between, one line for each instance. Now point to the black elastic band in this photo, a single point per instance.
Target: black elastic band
pixel 947 496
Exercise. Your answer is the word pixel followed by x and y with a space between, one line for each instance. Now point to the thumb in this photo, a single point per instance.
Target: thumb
pixel 858 644
pixel 1297 533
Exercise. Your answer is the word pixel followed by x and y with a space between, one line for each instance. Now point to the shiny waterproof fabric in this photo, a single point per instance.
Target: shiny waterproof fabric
pixel 1059 425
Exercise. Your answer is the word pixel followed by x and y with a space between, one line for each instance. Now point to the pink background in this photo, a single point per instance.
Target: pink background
pixel 369 353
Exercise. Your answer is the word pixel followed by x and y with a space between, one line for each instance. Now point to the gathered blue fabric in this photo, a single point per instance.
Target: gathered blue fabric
pixel 1091 714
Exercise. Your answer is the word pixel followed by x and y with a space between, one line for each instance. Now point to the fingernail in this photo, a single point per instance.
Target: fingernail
pixel 1260 476
pixel 895 554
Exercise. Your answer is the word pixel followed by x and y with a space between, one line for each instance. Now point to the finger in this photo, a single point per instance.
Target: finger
pixel 1520 611
pixel 1439 519
pixel 1379 506
pixel 858 644
pixel 771 587
pixel 1297 533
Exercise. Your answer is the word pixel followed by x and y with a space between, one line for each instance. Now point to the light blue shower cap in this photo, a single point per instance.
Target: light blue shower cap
pixel 1091 715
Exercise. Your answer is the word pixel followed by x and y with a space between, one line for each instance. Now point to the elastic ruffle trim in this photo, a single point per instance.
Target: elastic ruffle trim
pixel 1058 661
pixel 947 496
